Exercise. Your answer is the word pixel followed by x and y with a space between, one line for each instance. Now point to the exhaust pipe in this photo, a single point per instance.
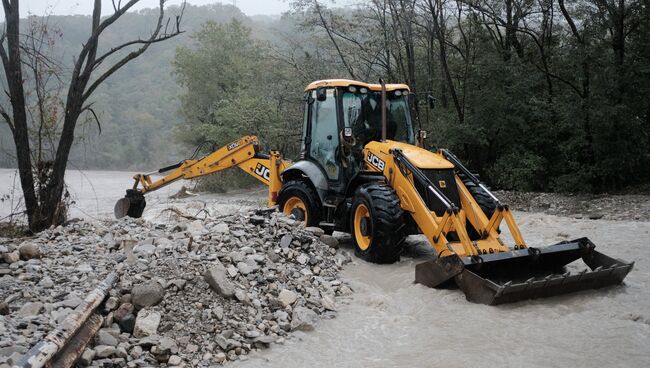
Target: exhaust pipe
pixel 383 110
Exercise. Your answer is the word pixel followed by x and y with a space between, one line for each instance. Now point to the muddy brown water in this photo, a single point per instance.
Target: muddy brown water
pixel 391 322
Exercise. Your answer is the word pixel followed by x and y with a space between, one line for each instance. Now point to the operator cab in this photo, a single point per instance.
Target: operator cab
pixel 342 116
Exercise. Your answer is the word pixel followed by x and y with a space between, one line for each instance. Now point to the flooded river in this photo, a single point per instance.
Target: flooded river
pixel 391 322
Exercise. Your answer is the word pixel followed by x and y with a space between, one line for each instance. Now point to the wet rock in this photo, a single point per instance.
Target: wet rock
pixel 317 231
pixel 4 309
pixel 287 297
pixel 285 241
pixel 103 337
pixel 329 240
pixel 244 268
pixel 11 257
pixel 303 319
pixel 256 220
pixel 218 281
pixel 87 357
pixel 147 295
pixel 328 303
pixel 221 228
pixel 220 357
pixel 174 360
pixel 146 323
pixel 46 282
pixel 29 251
pixel 104 351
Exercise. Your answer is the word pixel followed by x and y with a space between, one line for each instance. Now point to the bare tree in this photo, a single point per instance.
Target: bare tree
pixel 43 196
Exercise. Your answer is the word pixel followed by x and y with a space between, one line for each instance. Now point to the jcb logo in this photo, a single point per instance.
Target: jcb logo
pixel 375 161
pixel 263 171
pixel 233 145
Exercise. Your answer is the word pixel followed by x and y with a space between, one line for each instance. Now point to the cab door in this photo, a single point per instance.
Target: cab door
pixel 322 138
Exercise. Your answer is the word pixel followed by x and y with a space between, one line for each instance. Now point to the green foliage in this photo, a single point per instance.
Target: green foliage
pixel 232 89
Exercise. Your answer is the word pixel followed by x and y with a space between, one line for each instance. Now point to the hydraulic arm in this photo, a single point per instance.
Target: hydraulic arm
pixel 242 153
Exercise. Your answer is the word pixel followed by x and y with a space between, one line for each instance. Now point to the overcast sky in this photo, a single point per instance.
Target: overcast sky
pixel 40 7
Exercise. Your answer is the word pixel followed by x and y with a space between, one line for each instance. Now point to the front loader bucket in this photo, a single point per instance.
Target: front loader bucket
pixel 525 273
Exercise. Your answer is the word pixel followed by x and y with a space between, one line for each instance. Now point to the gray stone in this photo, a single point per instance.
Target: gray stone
pixel 317 231
pixel 218 281
pixel 220 357
pixel 220 228
pixel 196 227
pixel 4 309
pixel 87 357
pixel 72 301
pixel 286 240
pixel 302 259
pixel 11 257
pixel 146 323
pixel 105 351
pixel 60 314
pixel 287 297
pixel 147 295
pixel 244 268
pixel 30 309
pixel 222 342
pixel 46 282
pixel 303 319
pixel 174 360
pixel 29 250
pixel 329 240
pixel 265 340
pixel 103 337
pixel 328 303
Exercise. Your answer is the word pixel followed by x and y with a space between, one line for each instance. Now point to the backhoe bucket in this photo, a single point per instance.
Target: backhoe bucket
pixel 525 273
pixel 131 205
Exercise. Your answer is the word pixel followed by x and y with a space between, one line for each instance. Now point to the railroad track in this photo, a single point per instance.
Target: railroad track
pixel 65 344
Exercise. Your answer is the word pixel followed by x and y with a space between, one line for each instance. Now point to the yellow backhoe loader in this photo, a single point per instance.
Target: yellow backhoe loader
pixel 363 170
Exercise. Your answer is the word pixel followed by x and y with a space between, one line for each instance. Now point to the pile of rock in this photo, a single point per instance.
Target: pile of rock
pixel 193 293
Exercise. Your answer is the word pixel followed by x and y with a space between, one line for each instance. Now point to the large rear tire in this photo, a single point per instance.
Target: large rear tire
pixel 377 223
pixel 298 198
pixel 488 206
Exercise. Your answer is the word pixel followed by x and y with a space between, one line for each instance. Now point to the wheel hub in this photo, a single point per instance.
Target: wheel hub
pixel 298 214
pixel 365 226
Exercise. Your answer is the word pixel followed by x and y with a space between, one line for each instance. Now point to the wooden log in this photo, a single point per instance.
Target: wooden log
pixel 66 357
pixel 41 353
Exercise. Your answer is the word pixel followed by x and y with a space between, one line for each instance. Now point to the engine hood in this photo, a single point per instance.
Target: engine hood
pixel 420 157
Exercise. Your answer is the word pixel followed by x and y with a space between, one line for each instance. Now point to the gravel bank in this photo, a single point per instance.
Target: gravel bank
pixel 194 293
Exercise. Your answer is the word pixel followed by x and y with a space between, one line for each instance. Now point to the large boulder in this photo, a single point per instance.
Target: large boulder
pixel 29 250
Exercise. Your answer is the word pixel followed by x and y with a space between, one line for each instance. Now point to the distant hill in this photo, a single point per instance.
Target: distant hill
pixel 138 105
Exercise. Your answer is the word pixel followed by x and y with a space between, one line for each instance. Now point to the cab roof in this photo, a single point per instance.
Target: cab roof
pixel 348 82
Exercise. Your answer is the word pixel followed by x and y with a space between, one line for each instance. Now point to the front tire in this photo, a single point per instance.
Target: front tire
pixel 377 223
pixel 297 198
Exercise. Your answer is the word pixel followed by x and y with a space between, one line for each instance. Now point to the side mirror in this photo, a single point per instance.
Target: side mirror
pixel 431 101
pixel 321 93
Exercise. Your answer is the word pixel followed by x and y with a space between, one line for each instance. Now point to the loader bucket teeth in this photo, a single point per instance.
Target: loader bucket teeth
pixel 524 274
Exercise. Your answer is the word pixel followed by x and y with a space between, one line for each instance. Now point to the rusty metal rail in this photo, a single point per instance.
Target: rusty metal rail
pixel 41 354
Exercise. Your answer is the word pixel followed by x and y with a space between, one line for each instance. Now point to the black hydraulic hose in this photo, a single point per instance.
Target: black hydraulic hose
pixel 170 167
pixel 454 160
pixel 420 177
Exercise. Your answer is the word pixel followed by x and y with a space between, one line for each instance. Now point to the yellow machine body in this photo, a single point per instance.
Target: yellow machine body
pixel 397 185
